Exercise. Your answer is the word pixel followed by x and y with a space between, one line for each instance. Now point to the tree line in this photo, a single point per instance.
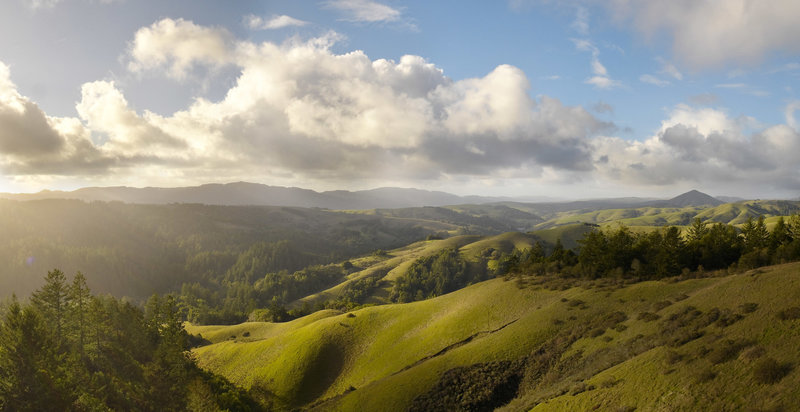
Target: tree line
pixel 664 252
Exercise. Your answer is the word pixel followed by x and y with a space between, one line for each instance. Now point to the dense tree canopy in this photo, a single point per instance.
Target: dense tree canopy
pixel 69 350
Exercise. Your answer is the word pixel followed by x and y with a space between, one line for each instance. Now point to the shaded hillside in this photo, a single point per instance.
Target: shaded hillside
pixel 568 234
pixel 136 250
pixel 546 344
pixel 515 219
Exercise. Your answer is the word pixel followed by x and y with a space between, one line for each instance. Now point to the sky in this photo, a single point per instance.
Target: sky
pixel 523 98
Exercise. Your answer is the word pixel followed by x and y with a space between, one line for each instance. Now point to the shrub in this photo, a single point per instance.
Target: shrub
pixel 749 307
pixel 597 332
pixel 754 353
pixel 727 318
pixel 769 371
pixel 673 357
pixel 576 302
pixel 727 351
pixel 789 313
pixel 661 305
pixel 703 351
pixel 610 382
pixel 648 316
pixel 581 387
pixel 681 297
pixel 705 375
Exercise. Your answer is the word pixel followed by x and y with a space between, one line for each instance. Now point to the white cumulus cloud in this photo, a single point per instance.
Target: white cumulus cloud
pixel 179 45
pixel 274 22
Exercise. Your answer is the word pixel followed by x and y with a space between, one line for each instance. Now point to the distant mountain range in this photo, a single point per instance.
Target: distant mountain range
pixel 248 194
pixel 254 194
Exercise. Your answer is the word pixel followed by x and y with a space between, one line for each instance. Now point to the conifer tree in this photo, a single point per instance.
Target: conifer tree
pixel 79 302
pixel 697 230
pixel 51 300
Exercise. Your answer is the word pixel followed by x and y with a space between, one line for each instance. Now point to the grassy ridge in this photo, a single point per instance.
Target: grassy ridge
pixel 730 213
pixel 382 358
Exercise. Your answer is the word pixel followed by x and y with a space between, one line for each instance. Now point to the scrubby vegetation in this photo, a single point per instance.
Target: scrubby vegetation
pixel 432 276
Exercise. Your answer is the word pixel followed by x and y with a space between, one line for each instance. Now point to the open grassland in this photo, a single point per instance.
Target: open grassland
pixel 723 342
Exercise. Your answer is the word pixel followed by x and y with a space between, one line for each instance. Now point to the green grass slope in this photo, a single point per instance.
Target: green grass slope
pixel 569 234
pixel 730 213
pixel 695 344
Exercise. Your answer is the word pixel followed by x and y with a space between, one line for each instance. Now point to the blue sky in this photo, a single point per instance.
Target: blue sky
pixel 571 98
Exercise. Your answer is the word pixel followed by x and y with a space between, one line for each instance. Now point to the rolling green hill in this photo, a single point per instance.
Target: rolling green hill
pixel 730 213
pixel 396 262
pixel 727 342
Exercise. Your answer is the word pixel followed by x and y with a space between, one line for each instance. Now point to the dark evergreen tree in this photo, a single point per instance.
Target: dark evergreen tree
pixel 720 247
pixel 780 235
pixel 696 231
pixel 51 300
pixel 78 314
pixel 30 378
pixel 755 234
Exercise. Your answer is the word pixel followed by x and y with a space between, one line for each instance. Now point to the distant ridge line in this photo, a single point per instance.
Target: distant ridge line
pixel 255 194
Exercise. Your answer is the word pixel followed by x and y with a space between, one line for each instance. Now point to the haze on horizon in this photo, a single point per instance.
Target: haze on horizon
pixel 569 99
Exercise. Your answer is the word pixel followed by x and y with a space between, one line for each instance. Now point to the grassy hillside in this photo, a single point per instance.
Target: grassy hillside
pixel 569 234
pixel 730 213
pixel 396 262
pixel 729 342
